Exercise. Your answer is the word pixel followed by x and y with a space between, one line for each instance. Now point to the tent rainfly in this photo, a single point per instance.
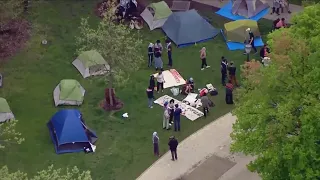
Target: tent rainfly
pixel 91 63
pixel 5 111
pixel 248 8
pixel 235 31
pixel 68 92
pixel 69 133
pixel 188 27
pixel 156 14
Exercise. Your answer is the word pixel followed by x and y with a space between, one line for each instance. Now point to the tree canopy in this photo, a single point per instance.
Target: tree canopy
pixel 115 42
pixel 9 10
pixel 278 114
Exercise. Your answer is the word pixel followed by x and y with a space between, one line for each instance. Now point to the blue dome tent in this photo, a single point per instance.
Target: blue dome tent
pixel 188 27
pixel 69 133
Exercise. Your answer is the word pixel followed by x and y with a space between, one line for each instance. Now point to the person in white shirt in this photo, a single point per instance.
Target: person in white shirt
pixel 160 81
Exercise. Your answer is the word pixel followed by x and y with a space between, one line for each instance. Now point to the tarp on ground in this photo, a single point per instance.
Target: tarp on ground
pixel 188 27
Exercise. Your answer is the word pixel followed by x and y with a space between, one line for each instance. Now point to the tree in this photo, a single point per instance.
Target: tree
pixel 10 10
pixel 9 135
pixel 308 25
pixel 48 174
pixel 278 117
pixel 116 43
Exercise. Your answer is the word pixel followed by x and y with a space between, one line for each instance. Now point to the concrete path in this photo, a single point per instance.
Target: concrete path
pixel 294 8
pixel 204 155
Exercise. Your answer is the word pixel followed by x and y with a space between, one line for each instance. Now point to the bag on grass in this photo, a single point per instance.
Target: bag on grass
pixel 175 91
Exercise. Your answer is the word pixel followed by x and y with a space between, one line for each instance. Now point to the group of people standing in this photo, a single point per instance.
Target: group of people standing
pixel 171 115
pixel 228 72
pixel 280 5
pixel 173 144
pixel 155 54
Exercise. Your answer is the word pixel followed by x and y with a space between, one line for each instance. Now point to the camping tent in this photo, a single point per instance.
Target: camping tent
pixel 248 8
pixel 5 112
pixel 156 14
pixel 188 27
pixel 91 63
pixel 68 92
pixel 69 133
pixel 235 31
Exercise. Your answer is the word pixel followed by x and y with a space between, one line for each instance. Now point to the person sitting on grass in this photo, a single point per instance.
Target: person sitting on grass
pixel 188 87
pixel 264 51
pixel 281 24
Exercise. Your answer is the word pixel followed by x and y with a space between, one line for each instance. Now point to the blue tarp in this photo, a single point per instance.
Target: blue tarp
pixel 67 131
pixel 232 46
pixel 187 28
pixel 226 11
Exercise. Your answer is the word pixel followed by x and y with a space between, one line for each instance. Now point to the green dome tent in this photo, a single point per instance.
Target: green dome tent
pixel 68 92
pixel 156 14
pixel 5 111
pixel 235 31
pixel 91 63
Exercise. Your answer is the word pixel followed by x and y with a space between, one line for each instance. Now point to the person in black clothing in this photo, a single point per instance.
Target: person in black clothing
pixel 229 93
pixel 173 144
pixel 251 40
pixel 224 65
pixel 169 50
pixel 152 83
pixel 150 54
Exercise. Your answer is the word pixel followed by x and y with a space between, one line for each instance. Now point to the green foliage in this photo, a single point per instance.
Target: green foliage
pixel 278 117
pixel 115 42
pixel 9 135
pixel 48 174
pixel 307 25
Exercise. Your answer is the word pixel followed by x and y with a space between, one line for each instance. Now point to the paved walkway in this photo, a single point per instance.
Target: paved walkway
pixel 294 8
pixel 204 154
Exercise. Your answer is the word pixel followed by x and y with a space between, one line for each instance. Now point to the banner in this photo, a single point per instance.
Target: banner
pixel 172 78
pixel 187 111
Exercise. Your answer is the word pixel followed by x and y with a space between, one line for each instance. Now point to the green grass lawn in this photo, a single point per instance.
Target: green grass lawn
pixel 124 148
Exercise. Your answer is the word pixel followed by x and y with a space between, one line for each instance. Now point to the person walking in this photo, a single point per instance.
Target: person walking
pixel 155 140
pixel 160 81
pixel 169 50
pixel 203 57
pixel 223 66
pixel 150 54
pixel 150 97
pixel 173 144
pixel 176 116
pixel 232 74
pixel 205 104
pixel 166 116
pixel 251 40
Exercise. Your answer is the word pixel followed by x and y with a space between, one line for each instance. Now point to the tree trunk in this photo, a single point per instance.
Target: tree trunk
pixel 111 89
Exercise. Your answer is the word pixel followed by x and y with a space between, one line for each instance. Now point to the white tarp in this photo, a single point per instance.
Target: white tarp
pixel 192 100
pixel 172 78
pixel 187 111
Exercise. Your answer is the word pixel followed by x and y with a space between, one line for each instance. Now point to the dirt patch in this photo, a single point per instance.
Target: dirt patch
pixel 13 37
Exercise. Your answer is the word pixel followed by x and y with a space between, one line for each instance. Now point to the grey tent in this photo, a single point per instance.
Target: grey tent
pixel 188 27
pixel 248 8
